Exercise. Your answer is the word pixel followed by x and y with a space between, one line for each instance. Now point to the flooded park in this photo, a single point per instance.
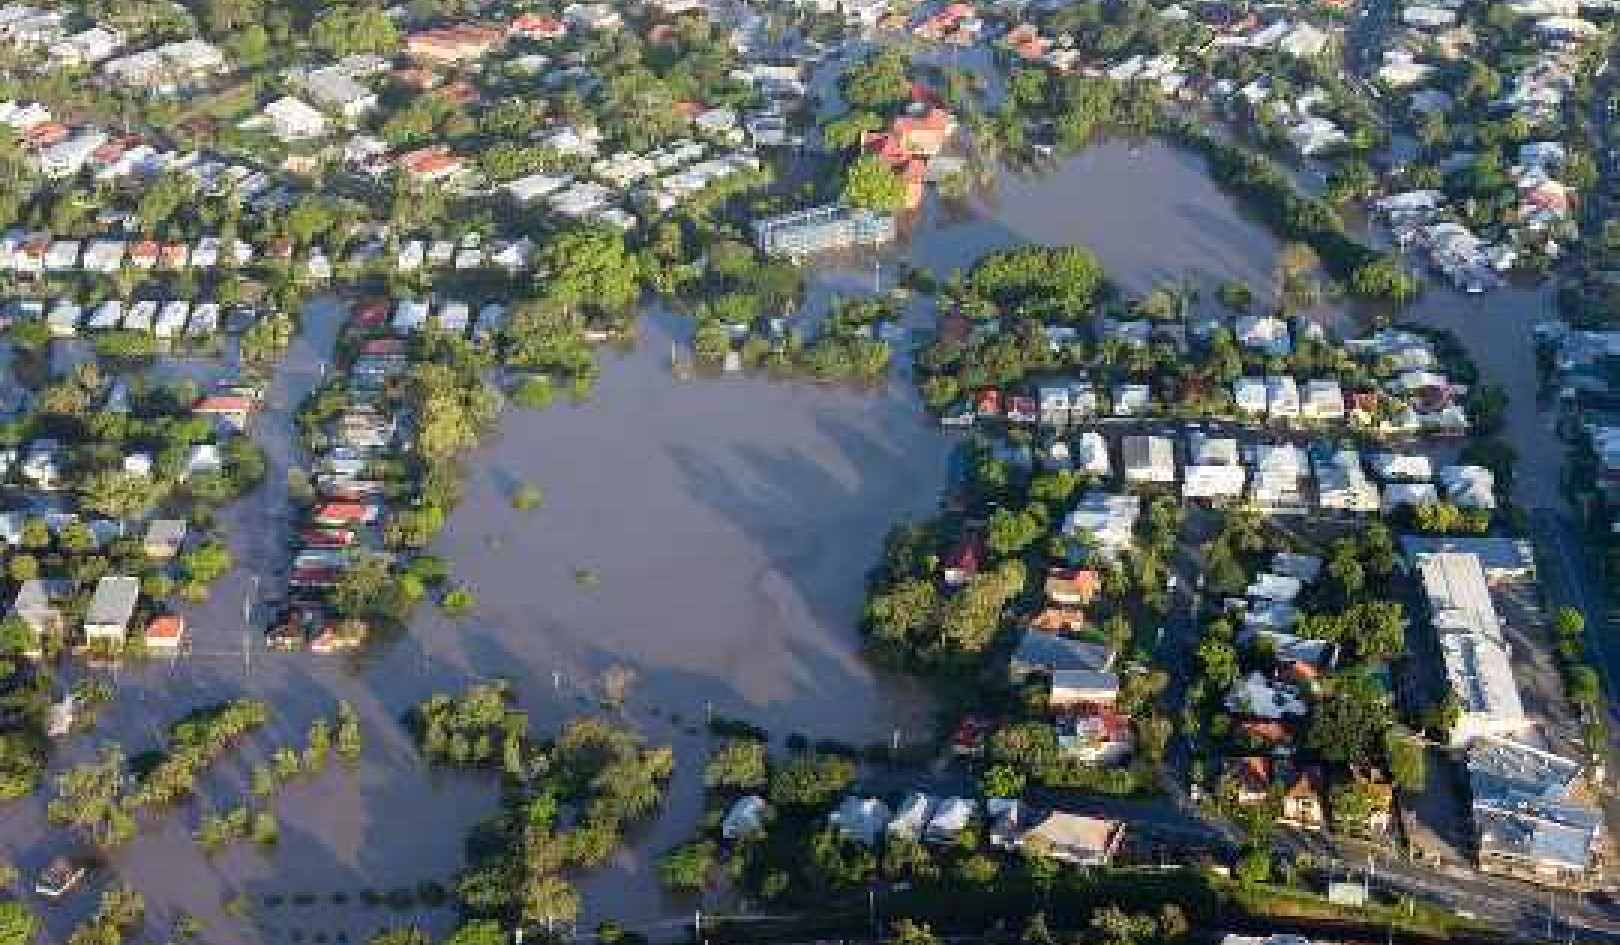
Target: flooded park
pixel 726 526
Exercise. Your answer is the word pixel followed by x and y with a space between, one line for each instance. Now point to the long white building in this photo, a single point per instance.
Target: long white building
pixel 1478 663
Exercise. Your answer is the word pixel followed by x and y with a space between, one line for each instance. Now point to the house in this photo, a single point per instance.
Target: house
pixel 1105 521
pixel 165 634
pixel 229 410
pixel 449 45
pixel 745 818
pixel 862 819
pixel 924 131
pixel 1072 586
pixel 1132 400
pixel 964 561
pixel 1256 696
pixel 164 538
pixel 36 605
pixel 538 26
pixel 1249 396
pixel 1392 467
pixel 290 119
pixel 911 818
pixel 1042 653
pixel 1266 334
pixel 1323 400
pixel 1409 494
pixel 335 87
pixel 1071 838
pixel 41 465
pixel 1302 799
pixel 1094 733
pixel 592 17
pixel 1148 459
pixel 1072 687
pixel 1282 397
pixel 1469 487
pixel 1089 454
pixel 1342 483
pixel 427 165
pixel 111 607
pixel 951 817
pixel 203 458
pixel 1250 779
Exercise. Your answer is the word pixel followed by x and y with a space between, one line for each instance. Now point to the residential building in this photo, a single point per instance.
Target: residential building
pixel 447 45
pixel 1105 521
pixel 37 604
pixel 290 119
pixel 862 819
pixel 745 818
pixel 1302 799
pixel 912 816
pixel 335 87
pixel 111 608
pixel 1148 459
pixel 164 538
pixel 951 817
pixel 1094 733
pixel 165 634
pixel 1043 653
pixel 819 229
pixel 1083 841
pixel 1074 687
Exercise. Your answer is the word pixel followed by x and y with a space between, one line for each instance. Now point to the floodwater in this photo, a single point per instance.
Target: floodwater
pixel 1146 208
pixel 711 536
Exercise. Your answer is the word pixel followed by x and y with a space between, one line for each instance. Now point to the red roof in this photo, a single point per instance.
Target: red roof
pixel 384 346
pixel 1101 719
pixel 967 554
pixel 47 133
pixel 427 161
pixel 924 94
pixel 343 512
pixel 170 629
pixel 538 26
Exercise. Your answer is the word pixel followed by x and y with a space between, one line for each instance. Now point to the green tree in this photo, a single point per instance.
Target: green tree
pixel 1003 781
pixel 737 763
pixel 1407 764
pixel 1349 720
pixel 810 780
pixel 17 923
pixel 847 131
pixel 1253 867
pixel 872 184
pixel 879 83
pixel 687 867
pixel 590 267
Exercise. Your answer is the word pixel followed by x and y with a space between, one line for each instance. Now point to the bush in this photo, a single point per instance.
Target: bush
pixel 534 393
pixel 458 602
